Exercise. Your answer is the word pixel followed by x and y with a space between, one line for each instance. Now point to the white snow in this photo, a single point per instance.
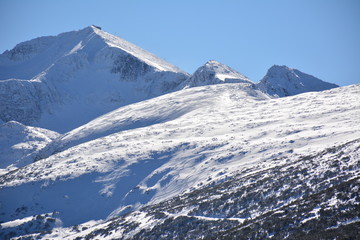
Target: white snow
pixel 223 77
pixel 63 82
pixel 18 144
pixel 15 223
pixel 78 46
pixel 136 51
pixel 240 220
pixel 315 213
pixel 150 149
pixel 214 72
pixel 283 81
pixel 153 150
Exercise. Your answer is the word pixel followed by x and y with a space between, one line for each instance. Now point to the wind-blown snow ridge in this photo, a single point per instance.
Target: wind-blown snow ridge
pixel 136 51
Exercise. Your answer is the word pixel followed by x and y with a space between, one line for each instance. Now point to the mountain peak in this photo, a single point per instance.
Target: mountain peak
pixel 276 67
pixel 214 72
pixel 282 81
pixel 212 63
pixel 96 27
pixel 89 30
pixel 217 66
pixel 89 71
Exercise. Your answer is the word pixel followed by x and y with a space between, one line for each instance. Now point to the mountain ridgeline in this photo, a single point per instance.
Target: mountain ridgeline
pixel 62 82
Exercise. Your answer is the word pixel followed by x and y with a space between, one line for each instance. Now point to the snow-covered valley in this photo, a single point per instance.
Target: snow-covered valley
pixel 181 157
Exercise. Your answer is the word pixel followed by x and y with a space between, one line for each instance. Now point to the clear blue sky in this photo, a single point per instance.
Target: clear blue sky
pixel 319 37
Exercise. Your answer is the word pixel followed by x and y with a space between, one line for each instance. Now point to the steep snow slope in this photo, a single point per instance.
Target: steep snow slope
pixel 203 134
pixel 214 72
pixel 64 81
pixel 283 81
pixel 18 143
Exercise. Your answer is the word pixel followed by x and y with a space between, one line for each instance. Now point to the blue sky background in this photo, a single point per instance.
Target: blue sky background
pixel 319 37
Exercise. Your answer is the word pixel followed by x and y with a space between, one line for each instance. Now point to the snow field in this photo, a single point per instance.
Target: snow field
pixel 220 129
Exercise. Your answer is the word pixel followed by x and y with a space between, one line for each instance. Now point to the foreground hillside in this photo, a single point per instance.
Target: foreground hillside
pixel 152 151
pixel 297 197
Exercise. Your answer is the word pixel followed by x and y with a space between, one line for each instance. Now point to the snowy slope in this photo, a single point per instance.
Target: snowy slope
pixel 214 72
pixel 154 150
pixel 18 143
pixel 146 113
pixel 296 197
pixel 64 81
pixel 283 81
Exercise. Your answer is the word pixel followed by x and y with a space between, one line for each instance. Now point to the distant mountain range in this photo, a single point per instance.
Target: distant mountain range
pixel 100 139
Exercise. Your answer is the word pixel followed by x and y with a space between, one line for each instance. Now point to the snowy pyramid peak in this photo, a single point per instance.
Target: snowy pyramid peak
pixel 89 40
pixel 77 76
pixel 214 72
pixel 284 81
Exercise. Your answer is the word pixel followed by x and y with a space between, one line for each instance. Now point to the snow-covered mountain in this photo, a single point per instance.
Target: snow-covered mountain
pixel 152 151
pixel 148 151
pixel 61 82
pixel 147 112
pixel 283 81
pixel 18 143
pixel 214 72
